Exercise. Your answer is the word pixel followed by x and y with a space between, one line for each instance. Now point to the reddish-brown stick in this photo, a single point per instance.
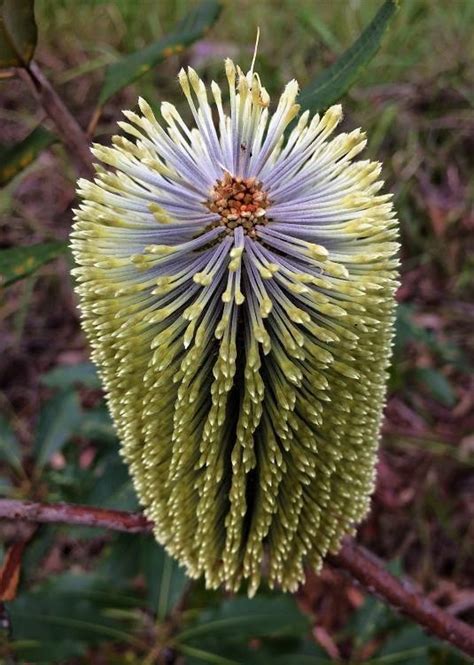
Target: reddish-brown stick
pixel 362 565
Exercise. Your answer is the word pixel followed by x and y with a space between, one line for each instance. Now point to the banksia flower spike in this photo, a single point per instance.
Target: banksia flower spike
pixel 237 287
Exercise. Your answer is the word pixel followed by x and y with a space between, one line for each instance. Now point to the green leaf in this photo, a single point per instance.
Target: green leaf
pixel 6 487
pixel 166 581
pixel 129 556
pixel 437 384
pixel 15 158
pixel 242 618
pixel 409 645
pixel 18 33
pixel 238 654
pixel 112 487
pixel 58 421
pixel 10 452
pixel 68 376
pixel 65 616
pixel 97 425
pixel 280 637
pixel 311 20
pixel 187 31
pixel 332 83
pixel 18 262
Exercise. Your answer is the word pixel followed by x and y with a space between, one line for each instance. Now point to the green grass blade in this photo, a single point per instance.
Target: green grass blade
pixel 187 31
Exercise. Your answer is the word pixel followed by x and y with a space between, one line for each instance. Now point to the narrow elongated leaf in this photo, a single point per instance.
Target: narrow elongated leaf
pixel 279 654
pixel 19 262
pixel 65 616
pixel 67 376
pixel 409 645
pixel 15 158
pixel 437 384
pixel 242 618
pixel 9 447
pixel 223 635
pixel 113 487
pixel 332 83
pixel 58 421
pixel 166 581
pixel 18 33
pixel 97 425
pixel 129 556
pixel 187 31
pixel 5 487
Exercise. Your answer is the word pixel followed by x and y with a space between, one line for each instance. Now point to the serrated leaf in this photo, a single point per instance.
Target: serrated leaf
pixel 18 262
pixel 67 376
pixel 15 158
pixel 187 31
pixel 10 452
pixel 18 32
pixel 58 421
pixel 332 83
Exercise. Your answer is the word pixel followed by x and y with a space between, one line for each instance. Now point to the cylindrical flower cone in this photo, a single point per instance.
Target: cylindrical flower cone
pixel 237 288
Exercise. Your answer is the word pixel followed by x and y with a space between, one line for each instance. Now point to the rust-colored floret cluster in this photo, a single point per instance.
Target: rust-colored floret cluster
pixel 239 202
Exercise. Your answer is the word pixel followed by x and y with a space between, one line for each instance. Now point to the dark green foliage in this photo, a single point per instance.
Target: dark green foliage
pixel 188 30
pixel 15 158
pixel 19 262
pixel 18 32
pixel 57 423
pixel 66 376
pixel 9 447
pixel 65 616
pixel 329 86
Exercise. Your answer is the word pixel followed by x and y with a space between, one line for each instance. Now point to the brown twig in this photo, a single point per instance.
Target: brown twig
pixel 117 520
pixel 67 127
pixel 364 567
pixel 402 595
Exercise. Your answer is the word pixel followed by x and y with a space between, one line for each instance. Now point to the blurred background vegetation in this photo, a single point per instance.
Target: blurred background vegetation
pixel 90 597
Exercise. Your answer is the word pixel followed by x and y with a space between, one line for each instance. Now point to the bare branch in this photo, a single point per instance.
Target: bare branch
pixel 67 127
pixel 402 595
pixel 362 565
pixel 44 513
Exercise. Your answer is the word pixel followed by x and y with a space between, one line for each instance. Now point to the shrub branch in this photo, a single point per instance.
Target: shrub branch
pixel 361 564
pixel 67 127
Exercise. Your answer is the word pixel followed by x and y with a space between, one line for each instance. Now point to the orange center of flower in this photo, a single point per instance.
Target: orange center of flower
pixel 239 202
